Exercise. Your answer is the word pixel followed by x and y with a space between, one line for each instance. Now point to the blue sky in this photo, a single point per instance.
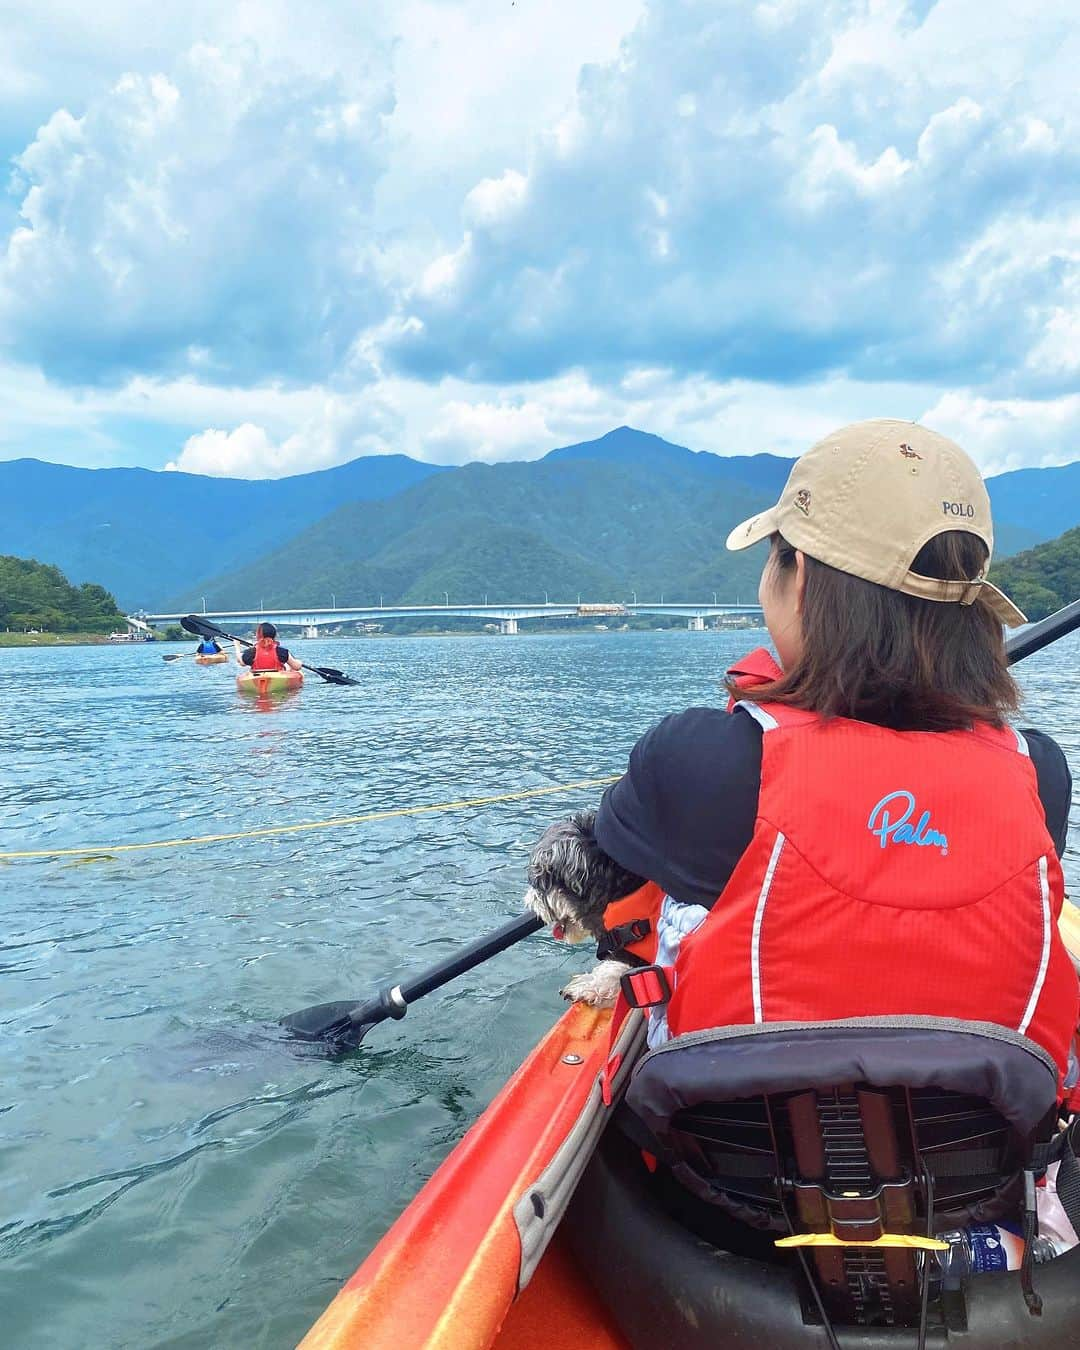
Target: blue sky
pixel 266 237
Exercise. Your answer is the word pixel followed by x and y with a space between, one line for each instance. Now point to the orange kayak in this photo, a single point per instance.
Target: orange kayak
pixel 448 1272
pixel 266 683
pixel 482 1260
pixel 217 660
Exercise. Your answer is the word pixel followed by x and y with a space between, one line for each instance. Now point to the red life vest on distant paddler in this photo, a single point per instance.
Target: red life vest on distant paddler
pixel 266 657
pixel 889 873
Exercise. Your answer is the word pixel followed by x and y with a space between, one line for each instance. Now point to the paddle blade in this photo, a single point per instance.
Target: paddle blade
pixel 174 656
pixel 190 622
pixel 328 1022
pixel 331 675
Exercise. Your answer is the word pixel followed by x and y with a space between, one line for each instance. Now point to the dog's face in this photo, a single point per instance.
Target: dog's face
pixel 572 880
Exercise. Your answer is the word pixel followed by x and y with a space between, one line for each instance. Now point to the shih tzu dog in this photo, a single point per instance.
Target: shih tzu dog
pixel 571 882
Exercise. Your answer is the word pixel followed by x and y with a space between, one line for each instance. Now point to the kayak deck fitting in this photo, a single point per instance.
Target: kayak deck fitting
pixel 481 1257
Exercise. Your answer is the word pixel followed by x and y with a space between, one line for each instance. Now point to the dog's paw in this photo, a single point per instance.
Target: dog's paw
pixel 598 987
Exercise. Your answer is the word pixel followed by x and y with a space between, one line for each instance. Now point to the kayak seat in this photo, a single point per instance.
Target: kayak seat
pixel 665 1283
pixel 879 1131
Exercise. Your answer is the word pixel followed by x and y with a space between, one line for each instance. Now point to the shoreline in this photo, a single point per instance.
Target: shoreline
pixel 18 640
pixel 60 640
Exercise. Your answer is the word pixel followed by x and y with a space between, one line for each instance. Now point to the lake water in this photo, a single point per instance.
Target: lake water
pixel 173 1173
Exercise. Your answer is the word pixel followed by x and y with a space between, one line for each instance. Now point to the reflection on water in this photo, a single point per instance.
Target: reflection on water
pixel 173 1172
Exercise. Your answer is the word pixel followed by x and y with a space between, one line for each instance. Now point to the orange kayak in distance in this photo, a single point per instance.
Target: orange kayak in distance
pixel 219 660
pixel 266 683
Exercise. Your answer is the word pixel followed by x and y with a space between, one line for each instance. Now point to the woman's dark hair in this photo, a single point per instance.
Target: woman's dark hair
pixel 882 656
pixel 267 630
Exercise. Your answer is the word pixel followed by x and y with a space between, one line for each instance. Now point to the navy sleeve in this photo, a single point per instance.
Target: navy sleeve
pixel 683 813
pixel 248 655
pixel 282 654
pixel 1055 784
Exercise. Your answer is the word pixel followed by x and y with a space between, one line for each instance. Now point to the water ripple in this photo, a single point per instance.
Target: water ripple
pixel 160 1133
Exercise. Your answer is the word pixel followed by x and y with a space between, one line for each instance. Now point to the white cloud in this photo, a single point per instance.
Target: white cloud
pixel 778 192
pixel 336 429
pixel 246 452
pixel 223 207
pixel 488 431
pixel 254 244
pixel 1007 434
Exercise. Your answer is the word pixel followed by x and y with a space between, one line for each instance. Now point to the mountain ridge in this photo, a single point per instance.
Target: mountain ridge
pixel 152 536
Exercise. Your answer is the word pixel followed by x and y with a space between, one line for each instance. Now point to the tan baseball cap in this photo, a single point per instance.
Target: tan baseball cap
pixel 867 498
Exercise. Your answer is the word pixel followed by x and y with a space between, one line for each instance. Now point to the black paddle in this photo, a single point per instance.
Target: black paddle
pixel 344 1025
pixel 204 628
pixel 1036 636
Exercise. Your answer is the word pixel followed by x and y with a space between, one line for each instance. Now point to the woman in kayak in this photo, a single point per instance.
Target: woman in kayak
pixel 267 654
pixel 862 833
pixel 208 647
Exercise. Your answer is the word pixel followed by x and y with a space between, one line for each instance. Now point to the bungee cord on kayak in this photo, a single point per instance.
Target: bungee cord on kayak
pixel 103 852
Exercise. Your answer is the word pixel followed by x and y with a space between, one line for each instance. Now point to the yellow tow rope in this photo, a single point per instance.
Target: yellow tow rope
pixel 333 822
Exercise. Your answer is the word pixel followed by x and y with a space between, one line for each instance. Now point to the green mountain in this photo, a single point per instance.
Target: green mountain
pixel 1045 577
pixel 562 526
pixel 34 595
pixel 627 513
pixel 143 534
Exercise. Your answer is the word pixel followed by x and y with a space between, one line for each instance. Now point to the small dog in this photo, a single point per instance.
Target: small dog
pixel 571 882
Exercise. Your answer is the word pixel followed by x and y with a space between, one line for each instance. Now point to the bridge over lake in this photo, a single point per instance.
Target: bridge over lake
pixel 507 616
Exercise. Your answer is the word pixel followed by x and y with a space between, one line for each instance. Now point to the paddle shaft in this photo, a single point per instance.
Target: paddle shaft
pixel 1039 635
pixel 393 1000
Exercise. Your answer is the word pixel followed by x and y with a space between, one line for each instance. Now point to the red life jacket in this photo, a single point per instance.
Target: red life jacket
pixel 889 872
pixel 266 657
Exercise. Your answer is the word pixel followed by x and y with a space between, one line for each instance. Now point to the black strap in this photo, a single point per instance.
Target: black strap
pixel 1068 1177
pixel 1031 1229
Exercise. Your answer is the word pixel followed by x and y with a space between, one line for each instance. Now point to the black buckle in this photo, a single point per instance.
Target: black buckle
pixel 619 938
pixel 647 987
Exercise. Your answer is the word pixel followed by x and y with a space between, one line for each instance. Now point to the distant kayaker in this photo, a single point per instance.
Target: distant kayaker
pixel 267 653
pixel 862 832
pixel 208 647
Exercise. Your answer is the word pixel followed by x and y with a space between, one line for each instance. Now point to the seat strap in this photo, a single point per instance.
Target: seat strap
pixel 1068 1177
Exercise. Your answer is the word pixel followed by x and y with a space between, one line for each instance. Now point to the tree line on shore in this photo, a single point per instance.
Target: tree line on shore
pixel 35 595
pixel 1043 578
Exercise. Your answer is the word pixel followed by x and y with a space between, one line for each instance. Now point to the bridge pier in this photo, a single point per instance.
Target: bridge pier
pixel 311 630
pixel 508 626
pixel 696 624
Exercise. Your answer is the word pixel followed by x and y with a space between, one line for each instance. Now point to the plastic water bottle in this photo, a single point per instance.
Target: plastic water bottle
pixel 986 1247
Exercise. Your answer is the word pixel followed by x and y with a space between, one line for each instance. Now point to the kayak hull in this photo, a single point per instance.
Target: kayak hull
pixel 219 660
pixel 446 1274
pixel 482 1260
pixel 267 683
